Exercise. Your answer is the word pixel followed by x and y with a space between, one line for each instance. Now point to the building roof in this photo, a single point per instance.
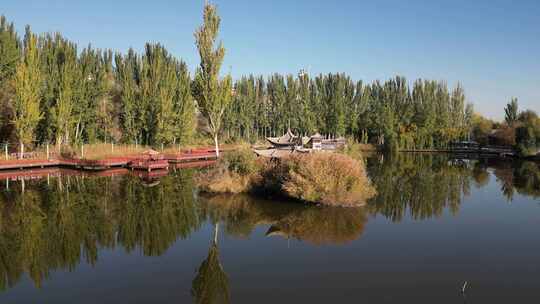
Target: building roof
pixel 284 140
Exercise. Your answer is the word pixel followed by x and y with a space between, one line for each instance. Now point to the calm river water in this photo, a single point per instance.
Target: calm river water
pixel 435 224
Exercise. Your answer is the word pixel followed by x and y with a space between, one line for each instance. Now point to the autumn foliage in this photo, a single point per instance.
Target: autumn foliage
pixel 233 173
pixel 327 178
pixel 323 178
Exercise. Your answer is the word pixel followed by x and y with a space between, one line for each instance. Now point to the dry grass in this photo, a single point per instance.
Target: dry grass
pixel 327 178
pixel 102 150
pixel 233 173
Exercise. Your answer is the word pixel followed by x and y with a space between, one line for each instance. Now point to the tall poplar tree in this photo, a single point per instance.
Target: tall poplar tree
pixel 213 94
pixel 9 50
pixel 511 112
pixel 131 112
pixel 27 91
pixel 68 91
pixel 185 118
pixel 165 115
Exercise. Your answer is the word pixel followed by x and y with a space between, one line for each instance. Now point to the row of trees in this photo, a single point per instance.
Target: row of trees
pixel 520 129
pixel 426 115
pixel 52 93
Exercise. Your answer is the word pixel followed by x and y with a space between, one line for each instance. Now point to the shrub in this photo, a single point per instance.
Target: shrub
pixel 233 173
pixel 327 178
pixel 242 162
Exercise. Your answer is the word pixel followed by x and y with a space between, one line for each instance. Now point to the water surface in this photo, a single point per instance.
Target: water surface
pixel 435 223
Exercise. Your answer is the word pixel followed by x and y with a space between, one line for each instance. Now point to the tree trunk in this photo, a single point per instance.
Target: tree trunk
pixel 22 151
pixel 216 230
pixel 216 143
pixel 77 131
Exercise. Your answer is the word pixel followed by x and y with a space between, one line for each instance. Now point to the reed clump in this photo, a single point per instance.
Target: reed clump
pixel 234 172
pixel 331 179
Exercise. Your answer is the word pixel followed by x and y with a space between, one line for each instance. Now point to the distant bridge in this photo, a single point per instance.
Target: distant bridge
pixel 498 151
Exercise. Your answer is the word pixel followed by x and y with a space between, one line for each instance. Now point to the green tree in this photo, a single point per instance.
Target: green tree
pixel 63 117
pixel 481 128
pixel 9 50
pixel 131 113
pixel 511 112
pixel 165 108
pixel 27 91
pixel 184 105
pixel 528 133
pixel 212 94
pixel 94 86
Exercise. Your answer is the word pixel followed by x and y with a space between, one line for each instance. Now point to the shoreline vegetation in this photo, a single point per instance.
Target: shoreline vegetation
pixel 53 92
pixel 332 179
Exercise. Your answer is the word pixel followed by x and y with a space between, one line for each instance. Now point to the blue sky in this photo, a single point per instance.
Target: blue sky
pixel 491 47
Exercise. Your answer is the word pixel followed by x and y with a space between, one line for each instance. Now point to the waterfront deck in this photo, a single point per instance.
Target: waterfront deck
pixel 50 172
pixel 191 155
pixel 138 162
pixel 149 164
pixel 28 163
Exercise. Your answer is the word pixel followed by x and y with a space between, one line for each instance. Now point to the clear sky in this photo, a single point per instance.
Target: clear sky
pixel 491 46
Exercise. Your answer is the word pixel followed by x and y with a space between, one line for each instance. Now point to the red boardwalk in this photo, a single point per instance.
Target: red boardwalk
pixel 150 160
pixel 27 163
pixel 149 164
pixel 194 164
pixel 191 155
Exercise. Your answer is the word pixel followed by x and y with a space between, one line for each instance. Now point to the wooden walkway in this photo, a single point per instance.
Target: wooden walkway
pixel 136 162
pixel 40 173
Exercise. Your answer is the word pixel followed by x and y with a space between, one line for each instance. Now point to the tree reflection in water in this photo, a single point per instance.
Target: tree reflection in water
pixel 57 224
pixel 313 224
pixel 423 185
pixel 521 177
pixel 211 284
pixel 53 226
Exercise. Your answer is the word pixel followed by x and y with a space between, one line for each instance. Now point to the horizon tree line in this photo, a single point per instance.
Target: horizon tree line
pixel 51 92
pixel 389 113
